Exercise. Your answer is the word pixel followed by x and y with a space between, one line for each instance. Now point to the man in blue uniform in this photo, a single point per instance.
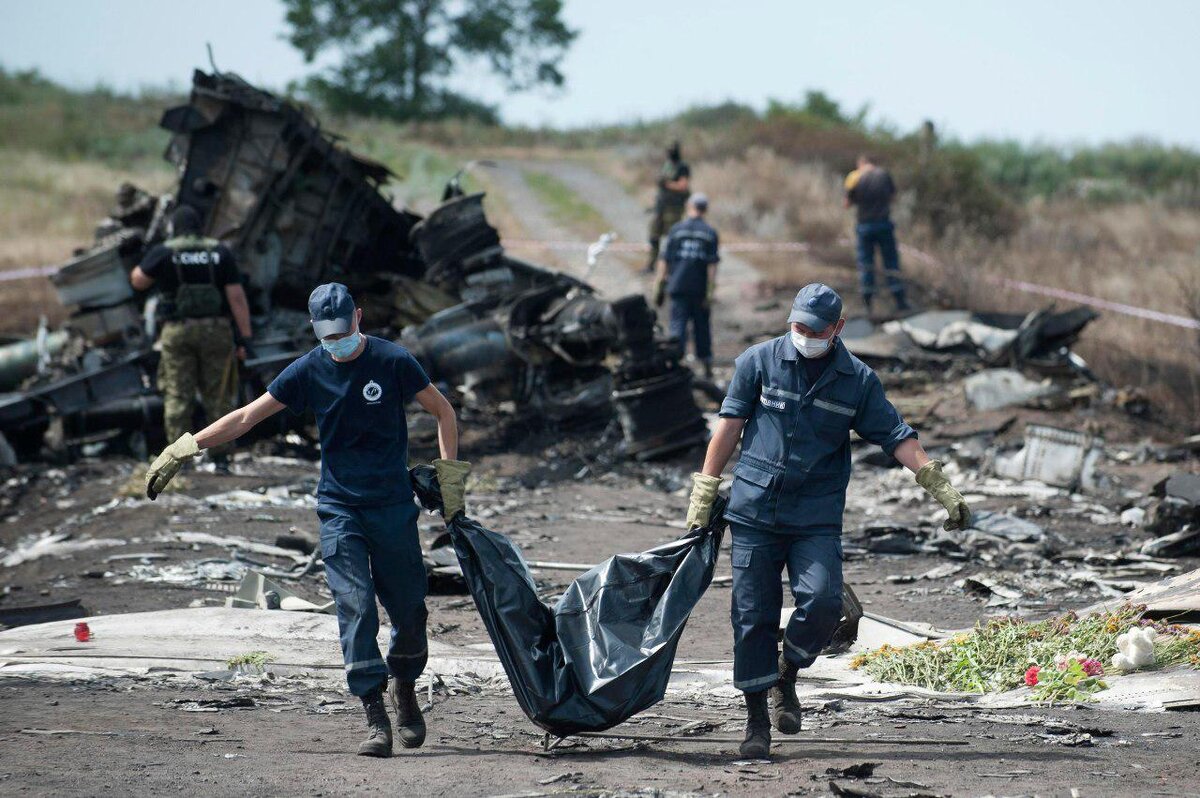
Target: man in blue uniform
pixel 688 272
pixel 792 402
pixel 357 386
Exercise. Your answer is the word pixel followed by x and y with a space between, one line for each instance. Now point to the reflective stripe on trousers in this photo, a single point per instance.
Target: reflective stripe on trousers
pixel 814 564
pixel 370 551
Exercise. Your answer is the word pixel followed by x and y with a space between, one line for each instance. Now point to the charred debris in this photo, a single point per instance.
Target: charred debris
pixel 299 209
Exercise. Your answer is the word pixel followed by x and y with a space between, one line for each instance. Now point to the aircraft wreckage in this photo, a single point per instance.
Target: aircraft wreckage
pixel 299 209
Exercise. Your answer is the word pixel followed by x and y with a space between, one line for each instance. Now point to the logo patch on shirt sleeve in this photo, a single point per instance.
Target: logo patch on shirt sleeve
pixel 774 404
pixel 372 392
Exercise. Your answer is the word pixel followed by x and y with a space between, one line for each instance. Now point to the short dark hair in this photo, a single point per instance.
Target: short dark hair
pixel 185 219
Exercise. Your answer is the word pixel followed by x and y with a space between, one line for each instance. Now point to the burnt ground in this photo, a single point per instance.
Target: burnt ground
pixel 565 497
pixel 481 744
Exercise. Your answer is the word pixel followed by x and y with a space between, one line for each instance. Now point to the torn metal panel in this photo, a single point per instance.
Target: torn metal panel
pixel 1066 458
pixel 296 207
pixel 256 591
pixel 1176 598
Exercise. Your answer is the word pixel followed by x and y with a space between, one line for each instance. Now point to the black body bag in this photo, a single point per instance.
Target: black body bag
pixel 604 652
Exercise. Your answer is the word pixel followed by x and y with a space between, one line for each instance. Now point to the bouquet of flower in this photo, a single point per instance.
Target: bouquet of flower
pixel 1074 677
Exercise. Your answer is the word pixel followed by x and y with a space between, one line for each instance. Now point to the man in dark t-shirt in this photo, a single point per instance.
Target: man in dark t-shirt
pixel 199 290
pixel 870 190
pixel 688 272
pixel 358 386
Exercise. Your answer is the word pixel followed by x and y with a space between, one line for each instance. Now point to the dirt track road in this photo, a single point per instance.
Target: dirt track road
pixel 556 499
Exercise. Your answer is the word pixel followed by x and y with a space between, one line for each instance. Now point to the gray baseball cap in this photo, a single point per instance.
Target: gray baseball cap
pixel 816 307
pixel 331 310
pixel 699 200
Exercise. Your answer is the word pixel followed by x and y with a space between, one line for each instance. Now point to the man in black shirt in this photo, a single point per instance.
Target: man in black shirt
pixel 200 289
pixel 688 272
pixel 673 190
pixel 870 189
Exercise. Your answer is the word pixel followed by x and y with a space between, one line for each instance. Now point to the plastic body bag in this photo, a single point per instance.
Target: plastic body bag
pixel 604 652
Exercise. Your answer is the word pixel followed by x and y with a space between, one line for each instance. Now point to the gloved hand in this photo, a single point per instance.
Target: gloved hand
pixel 452 477
pixel 167 464
pixel 704 493
pixel 660 293
pixel 931 478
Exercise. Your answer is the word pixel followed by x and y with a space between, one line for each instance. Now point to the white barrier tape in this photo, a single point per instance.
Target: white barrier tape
pixel 27 273
pixel 1071 296
pixel 1097 302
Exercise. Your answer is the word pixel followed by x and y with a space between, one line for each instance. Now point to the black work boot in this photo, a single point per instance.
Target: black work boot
pixel 410 725
pixel 783 698
pixel 757 744
pixel 379 728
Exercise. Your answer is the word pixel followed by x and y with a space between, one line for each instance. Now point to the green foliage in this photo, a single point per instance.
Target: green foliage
pixel 1109 173
pixel 995 656
pixel 818 110
pixel 953 194
pixel 98 124
pixel 396 57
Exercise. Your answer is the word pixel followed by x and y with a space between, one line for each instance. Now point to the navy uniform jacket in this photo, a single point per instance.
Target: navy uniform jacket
pixel 795 462
pixel 691 246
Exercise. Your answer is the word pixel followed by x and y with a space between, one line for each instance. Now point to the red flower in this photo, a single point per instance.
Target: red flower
pixel 1092 667
pixel 1031 675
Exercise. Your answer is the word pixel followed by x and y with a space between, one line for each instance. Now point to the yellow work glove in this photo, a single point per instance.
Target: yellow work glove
pixel 167 464
pixel 704 493
pixel 931 478
pixel 452 478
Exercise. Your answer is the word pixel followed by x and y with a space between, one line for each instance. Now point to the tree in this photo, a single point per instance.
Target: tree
pixel 397 55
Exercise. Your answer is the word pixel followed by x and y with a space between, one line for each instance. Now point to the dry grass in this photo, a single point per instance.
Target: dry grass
pixel 49 208
pixel 1145 254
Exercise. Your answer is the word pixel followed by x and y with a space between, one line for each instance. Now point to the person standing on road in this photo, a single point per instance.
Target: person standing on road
pixel 358 386
pixel 673 190
pixel 792 403
pixel 688 272
pixel 870 189
pixel 200 288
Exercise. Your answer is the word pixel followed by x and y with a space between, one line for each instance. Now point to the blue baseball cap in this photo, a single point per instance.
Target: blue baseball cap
pixel 816 307
pixel 331 310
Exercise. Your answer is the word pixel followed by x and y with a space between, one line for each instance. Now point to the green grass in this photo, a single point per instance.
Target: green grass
pixel 562 203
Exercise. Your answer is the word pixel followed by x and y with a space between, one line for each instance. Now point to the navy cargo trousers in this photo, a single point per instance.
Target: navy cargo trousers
pixel 814 564
pixel 371 551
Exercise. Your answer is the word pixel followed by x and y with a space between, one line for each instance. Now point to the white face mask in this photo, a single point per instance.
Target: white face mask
pixel 811 347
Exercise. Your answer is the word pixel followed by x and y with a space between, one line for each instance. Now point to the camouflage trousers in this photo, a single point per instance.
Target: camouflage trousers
pixel 197 357
pixel 663 220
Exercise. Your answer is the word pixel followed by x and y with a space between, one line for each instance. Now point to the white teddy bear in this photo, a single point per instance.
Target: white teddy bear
pixel 1135 649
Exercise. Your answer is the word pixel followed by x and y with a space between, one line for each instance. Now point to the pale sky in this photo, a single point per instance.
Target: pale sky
pixel 1065 71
